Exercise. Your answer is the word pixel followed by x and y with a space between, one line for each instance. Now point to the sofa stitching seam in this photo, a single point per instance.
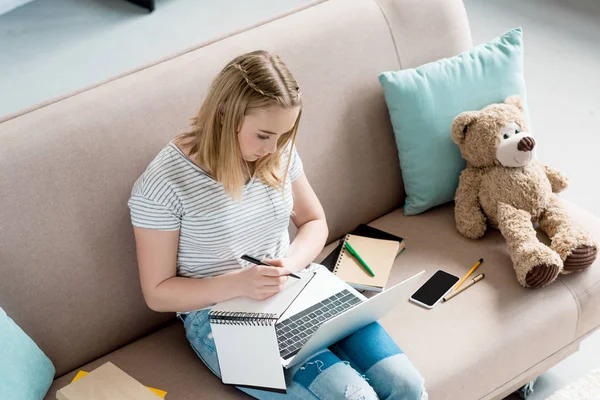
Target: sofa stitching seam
pixel 387 21
pixel 576 298
pixel 575 338
pixel 529 369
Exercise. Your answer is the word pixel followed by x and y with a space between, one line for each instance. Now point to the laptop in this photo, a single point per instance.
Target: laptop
pixel 328 310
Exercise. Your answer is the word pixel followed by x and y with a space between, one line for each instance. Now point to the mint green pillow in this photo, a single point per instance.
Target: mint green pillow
pixel 423 102
pixel 25 371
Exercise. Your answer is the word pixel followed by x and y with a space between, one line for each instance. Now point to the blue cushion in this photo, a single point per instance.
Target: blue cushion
pixel 25 371
pixel 423 102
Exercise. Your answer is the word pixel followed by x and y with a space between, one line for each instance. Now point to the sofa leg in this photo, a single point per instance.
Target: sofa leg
pixel 527 390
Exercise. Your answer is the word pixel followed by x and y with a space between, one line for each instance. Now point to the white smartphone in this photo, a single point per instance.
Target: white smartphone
pixel 436 287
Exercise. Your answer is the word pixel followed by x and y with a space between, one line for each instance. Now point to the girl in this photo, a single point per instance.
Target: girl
pixel 229 187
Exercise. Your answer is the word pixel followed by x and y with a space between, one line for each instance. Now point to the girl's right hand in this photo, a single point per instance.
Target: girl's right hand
pixel 261 282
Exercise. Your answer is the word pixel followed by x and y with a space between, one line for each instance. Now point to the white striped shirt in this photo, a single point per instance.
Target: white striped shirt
pixel 173 193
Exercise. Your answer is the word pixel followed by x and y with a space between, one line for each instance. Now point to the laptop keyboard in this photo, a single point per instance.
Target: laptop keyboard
pixel 293 332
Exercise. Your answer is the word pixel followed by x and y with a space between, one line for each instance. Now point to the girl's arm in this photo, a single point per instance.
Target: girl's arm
pixel 166 292
pixel 309 218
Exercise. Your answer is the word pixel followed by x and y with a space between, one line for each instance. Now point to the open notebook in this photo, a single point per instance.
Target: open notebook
pixel 245 338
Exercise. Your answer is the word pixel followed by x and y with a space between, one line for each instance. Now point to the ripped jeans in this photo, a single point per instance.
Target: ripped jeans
pixel 363 366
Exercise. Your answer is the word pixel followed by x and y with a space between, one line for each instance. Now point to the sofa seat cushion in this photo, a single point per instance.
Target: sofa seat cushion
pixel 163 360
pixel 491 333
pixel 585 286
pixel 494 331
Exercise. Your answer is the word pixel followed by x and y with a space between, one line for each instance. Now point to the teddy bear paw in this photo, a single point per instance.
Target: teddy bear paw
pixel 582 257
pixel 536 264
pixel 541 275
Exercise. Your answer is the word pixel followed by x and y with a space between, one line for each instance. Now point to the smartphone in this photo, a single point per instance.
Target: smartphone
pixel 434 289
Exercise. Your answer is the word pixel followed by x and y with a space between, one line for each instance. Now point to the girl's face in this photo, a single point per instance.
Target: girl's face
pixel 261 130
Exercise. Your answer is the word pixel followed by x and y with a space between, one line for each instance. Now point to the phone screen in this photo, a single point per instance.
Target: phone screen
pixel 435 287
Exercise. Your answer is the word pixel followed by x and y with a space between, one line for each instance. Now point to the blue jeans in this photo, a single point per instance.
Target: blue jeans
pixel 363 366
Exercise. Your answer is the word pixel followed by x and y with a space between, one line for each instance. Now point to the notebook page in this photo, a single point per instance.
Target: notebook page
pixel 276 304
pixel 249 355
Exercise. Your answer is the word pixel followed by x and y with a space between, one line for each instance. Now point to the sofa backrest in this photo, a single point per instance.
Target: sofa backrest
pixel 68 271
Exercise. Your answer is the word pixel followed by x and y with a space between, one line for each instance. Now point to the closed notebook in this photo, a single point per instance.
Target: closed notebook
pixel 106 382
pixel 379 255
pixel 160 393
pixel 362 230
pixel 245 337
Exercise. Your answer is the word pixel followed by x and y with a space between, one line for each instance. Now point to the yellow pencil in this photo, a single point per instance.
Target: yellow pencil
pixel 465 287
pixel 477 264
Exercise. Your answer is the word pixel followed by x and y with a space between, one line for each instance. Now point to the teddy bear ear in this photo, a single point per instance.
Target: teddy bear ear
pixel 515 100
pixel 460 126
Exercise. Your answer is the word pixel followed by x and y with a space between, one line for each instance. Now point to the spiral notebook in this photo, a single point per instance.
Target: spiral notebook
pixel 362 230
pixel 379 254
pixel 244 333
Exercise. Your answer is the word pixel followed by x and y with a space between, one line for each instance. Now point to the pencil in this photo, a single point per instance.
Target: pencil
pixel 468 285
pixel 477 264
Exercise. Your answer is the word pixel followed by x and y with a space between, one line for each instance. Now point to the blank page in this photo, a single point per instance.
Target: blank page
pixel 249 355
pixel 276 304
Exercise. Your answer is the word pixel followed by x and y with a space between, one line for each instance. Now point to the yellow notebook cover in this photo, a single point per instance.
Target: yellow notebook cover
pixel 379 254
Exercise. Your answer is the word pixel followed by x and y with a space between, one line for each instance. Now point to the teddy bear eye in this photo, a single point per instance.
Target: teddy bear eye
pixel 506 136
pixel 516 131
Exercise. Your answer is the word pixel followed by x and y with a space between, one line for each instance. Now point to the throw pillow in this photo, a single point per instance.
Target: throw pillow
pixel 25 371
pixel 423 102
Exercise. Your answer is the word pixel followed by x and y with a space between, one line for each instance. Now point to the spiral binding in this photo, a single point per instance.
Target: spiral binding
pixel 339 259
pixel 242 318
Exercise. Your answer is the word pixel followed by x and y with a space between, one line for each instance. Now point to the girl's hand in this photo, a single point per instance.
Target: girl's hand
pixel 260 281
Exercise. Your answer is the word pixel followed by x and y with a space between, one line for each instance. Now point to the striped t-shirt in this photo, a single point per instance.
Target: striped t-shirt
pixel 215 230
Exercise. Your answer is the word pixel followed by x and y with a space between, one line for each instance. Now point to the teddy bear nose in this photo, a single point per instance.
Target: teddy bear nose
pixel 526 144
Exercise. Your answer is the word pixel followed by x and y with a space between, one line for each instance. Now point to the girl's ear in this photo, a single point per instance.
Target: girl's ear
pixel 460 126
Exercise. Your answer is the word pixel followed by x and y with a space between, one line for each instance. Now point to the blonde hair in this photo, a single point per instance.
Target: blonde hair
pixel 250 81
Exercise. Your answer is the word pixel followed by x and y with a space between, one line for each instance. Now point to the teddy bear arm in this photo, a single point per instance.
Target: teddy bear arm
pixel 470 220
pixel 558 180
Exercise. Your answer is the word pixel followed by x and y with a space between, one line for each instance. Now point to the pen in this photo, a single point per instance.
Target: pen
pixel 359 258
pixel 259 262
pixel 468 285
pixel 477 264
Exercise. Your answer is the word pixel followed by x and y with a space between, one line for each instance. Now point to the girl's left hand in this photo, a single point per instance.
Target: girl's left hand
pixel 290 264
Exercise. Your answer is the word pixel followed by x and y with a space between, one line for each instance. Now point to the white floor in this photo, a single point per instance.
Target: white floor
pixel 562 72
pixel 48 48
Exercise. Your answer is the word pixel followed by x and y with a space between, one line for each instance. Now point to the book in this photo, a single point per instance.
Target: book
pixel 369 231
pixel 245 337
pixel 379 254
pixel 362 230
pixel 106 382
pixel 82 373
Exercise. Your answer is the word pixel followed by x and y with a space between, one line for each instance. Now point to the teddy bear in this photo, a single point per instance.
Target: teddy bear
pixel 504 186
